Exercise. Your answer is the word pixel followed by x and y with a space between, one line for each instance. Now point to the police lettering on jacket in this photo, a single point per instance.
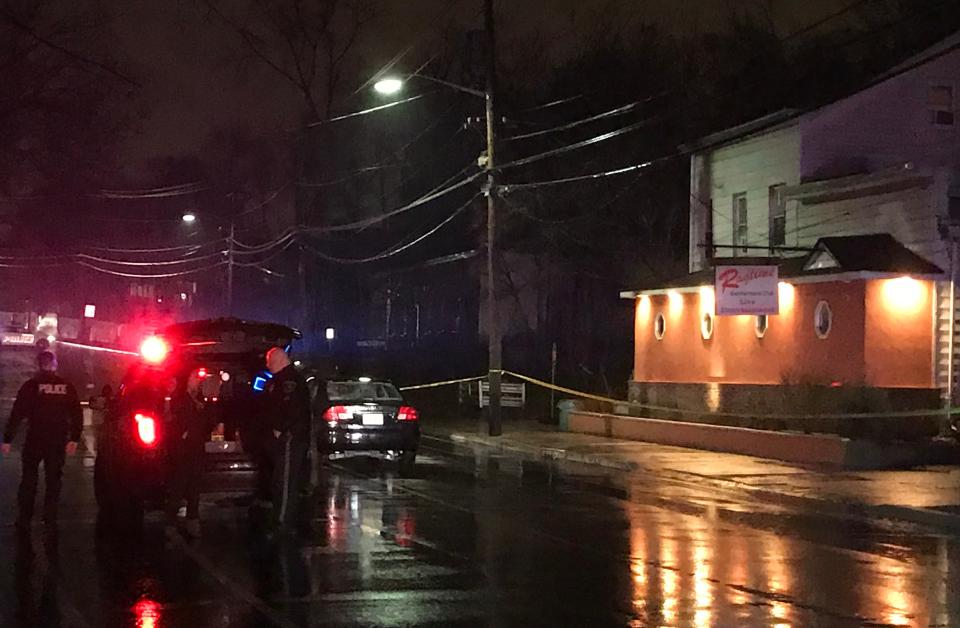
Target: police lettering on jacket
pixel 50 406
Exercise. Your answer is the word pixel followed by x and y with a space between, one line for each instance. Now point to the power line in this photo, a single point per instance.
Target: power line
pixel 161 192
pixel 581 144
pixel 396 249
pixel 510 187
pixel 554 103
pixel 185 247
pixel 571 125
pixel 359 224
pixel 150 276
pixel 364 112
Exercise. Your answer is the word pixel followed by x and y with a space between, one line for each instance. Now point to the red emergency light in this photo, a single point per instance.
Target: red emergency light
pixel 146 428
pixel 154 349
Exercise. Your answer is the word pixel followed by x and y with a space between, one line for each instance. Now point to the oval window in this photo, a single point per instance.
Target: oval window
pixel 706 326
pixel 822 320
pixel 762 323
pixel 659 326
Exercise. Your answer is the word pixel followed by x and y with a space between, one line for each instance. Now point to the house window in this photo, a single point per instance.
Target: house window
pixel 740 237
pixel 659 326
pixel 706 326
pixel 778 216
pixel 822 320
pixel 940 105
pixel 762 323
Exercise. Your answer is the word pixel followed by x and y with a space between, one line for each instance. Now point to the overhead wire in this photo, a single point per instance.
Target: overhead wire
pixel 397 248
pixel 603 137
pixel 618 111
pixel 152 275
pixel 351 226
pixel 368 111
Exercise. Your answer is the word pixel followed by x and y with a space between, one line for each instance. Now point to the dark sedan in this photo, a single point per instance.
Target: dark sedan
pixel 369 417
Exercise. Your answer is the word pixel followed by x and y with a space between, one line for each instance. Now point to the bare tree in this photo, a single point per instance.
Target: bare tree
pixel 58 114
pixel 308 44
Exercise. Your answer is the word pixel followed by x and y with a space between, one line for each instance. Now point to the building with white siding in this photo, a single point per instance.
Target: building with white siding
pixel 885 159
pixel 883 163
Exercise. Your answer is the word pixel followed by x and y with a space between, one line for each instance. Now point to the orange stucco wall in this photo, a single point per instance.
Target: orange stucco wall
pixel 790 351
pixel 899 334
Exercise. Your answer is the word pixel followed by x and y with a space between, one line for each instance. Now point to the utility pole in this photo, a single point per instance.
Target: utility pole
pixel 495 349
pixel 230 246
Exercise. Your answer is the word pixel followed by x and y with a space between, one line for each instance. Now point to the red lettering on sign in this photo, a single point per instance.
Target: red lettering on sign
pixel 728 279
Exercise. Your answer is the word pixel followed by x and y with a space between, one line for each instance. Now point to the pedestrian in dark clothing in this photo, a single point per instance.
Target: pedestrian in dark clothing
pixel 51 408
pixel 288 402
pixel 191 424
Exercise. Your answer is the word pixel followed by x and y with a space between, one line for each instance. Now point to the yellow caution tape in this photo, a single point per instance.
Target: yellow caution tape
pixel 446 383
pixel 634 404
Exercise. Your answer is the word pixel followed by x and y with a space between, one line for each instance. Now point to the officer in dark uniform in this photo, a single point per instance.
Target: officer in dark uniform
pixel 51 408
pixel 288 401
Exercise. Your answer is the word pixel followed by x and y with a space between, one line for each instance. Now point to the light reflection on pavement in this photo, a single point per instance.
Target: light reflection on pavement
pixel 478 540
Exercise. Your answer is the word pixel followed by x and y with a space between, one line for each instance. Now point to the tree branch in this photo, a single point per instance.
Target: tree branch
pixel 13 21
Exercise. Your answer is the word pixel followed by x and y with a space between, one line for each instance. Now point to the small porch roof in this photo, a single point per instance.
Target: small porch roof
pixel 840 258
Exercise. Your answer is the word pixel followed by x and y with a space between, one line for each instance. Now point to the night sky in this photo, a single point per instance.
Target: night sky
pixel 194 78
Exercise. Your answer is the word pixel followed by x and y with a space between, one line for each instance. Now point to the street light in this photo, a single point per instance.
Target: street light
pixel 388 86
pixel 392 85
pixel 190 217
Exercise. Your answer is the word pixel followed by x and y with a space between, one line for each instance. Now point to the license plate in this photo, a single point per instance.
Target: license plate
pixel 373 419
pixel 222 447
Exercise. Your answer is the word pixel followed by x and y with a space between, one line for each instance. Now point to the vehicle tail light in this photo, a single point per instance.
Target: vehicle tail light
pixel 154 349
pixel 146 429
pixel 408 413
pixel 336 413
pixel 202 373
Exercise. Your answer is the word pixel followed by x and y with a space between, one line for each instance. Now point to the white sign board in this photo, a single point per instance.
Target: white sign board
pixel 748 290
pixel 16 339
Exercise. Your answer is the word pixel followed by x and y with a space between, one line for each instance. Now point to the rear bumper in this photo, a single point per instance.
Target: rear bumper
pixel 147 474
pixel 403 437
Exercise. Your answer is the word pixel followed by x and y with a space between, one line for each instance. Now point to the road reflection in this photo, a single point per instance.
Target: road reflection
pixel 693 571
pixel 147 613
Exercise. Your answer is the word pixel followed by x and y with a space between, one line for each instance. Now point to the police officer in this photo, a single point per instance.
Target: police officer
pixel 51 408
pixel 288 402
pixel 191 424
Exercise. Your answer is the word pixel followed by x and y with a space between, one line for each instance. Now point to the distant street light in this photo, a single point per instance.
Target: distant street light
pixel 190 217
pixel 388 86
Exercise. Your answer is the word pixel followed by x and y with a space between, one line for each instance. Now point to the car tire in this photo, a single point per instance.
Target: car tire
pixel 407 463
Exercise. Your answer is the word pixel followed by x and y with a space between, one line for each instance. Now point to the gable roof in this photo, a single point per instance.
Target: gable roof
pixel 875 253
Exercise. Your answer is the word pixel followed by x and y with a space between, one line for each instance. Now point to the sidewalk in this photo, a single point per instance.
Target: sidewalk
pixel 928 496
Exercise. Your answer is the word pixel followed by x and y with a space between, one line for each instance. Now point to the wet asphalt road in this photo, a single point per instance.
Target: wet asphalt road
pixel 479 540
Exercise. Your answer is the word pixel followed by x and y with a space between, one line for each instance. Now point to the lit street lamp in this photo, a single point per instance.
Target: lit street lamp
pixel 190 217
pixel 392 85
pixel 388 86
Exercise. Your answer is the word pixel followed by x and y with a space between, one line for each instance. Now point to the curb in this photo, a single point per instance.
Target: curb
pixel 905 514
pixel 542 453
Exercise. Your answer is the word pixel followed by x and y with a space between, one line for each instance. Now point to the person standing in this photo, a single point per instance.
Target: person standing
pixel 50 406
pixel 288 402
pixel 191 424
pixel 99 404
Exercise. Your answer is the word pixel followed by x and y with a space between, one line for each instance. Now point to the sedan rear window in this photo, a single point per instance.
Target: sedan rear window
pixel 362 391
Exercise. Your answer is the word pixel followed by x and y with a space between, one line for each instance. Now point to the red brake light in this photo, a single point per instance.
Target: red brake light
pixel 408 413
pixel 154 349
pixel 336 413
pixel 146 428
pixel 202 373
